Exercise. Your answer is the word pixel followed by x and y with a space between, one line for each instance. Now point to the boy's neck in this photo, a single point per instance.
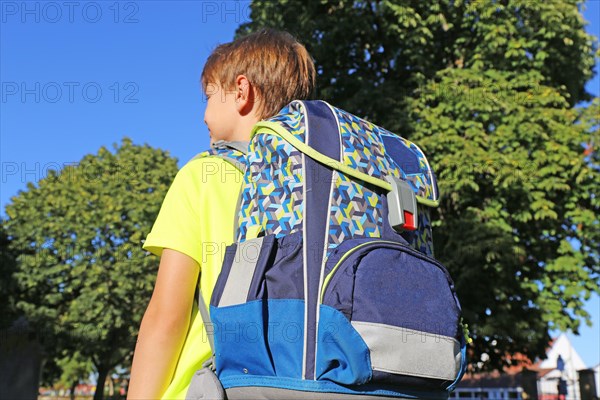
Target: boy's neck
pixel 244 129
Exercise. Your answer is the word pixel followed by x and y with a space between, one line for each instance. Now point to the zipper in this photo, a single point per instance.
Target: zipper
pixel 390 243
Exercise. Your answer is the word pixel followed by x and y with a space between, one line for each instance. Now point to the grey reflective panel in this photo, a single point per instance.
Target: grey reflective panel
pixel 242 271
pixel 410 352
pixel 266 393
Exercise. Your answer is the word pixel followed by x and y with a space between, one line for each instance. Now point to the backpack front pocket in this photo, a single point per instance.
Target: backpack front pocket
pixel 402 304
pixel 257 310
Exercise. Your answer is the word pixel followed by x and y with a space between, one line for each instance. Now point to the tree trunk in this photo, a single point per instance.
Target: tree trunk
pixel 73 386
pixel 102 374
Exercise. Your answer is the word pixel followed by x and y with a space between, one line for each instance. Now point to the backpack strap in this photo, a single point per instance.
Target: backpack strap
pixel 235 154
pixel 240 146
pixel 323 136
pixel 232 152
pixel 210 331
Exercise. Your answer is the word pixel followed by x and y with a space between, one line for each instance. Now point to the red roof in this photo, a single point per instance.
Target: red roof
pixel 509 377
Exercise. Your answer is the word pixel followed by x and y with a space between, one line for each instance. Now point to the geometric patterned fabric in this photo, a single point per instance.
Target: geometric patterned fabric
pixel 272 194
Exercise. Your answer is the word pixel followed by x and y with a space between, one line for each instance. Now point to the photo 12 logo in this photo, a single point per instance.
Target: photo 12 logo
pixel 52 12
pixel 224 11
pixel 69 92
pixel 71 172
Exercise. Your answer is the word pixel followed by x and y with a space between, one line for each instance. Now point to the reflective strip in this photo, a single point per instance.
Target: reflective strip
pixel 242 270
pixel 304 266
pixel 410 352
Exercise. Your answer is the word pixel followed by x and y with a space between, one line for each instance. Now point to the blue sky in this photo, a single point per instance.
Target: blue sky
pixel 80 75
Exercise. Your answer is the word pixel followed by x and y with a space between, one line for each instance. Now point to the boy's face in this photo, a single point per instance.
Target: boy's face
pixel 221 115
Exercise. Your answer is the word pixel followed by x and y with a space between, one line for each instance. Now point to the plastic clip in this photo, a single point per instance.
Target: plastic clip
pixel 402 205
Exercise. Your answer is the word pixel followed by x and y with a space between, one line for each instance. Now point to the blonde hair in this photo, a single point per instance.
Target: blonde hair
pixel 275 63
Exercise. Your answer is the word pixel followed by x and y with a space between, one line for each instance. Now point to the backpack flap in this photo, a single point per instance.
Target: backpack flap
pixel 370 153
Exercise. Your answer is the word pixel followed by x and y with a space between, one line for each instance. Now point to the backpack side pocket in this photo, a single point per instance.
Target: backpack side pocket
pixel 403 306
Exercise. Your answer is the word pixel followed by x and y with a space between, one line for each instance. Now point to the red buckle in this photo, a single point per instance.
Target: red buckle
pixel 409 221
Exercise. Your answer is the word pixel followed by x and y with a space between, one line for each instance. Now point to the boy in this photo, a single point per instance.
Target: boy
pixel 245 81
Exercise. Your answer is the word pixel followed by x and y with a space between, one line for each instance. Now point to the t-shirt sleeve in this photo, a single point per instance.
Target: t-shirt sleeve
pixel 177 226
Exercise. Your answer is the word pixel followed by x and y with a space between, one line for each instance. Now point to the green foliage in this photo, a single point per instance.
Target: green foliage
pixel 487 89
pixel 517 195
pixel 84 279
pixel 74 367
pixel 372 55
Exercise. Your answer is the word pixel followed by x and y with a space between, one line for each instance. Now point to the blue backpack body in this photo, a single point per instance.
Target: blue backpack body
pixel 331 290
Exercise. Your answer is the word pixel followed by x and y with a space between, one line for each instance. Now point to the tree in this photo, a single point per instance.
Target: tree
pixel 487 89
pixel 84 277
pixel 518 224
pixel 384 50
pixel 74 368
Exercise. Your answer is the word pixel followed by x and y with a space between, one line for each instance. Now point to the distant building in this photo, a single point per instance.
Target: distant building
pixel 560 368
pixel 560 376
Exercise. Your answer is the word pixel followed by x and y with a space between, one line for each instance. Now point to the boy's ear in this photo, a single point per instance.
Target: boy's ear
pixel 244 95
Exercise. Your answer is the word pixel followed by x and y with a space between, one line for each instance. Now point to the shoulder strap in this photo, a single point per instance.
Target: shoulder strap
pixel 232 152
pixel 240 146
pixel 210 331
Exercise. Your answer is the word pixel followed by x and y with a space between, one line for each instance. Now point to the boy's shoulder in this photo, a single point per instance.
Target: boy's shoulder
pixel 233 153
pixel 212 168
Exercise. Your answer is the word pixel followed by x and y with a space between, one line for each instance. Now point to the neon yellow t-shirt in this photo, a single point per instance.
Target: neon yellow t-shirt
pixel 196 218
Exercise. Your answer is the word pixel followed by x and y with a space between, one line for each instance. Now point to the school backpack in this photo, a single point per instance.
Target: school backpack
pixel 331 290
